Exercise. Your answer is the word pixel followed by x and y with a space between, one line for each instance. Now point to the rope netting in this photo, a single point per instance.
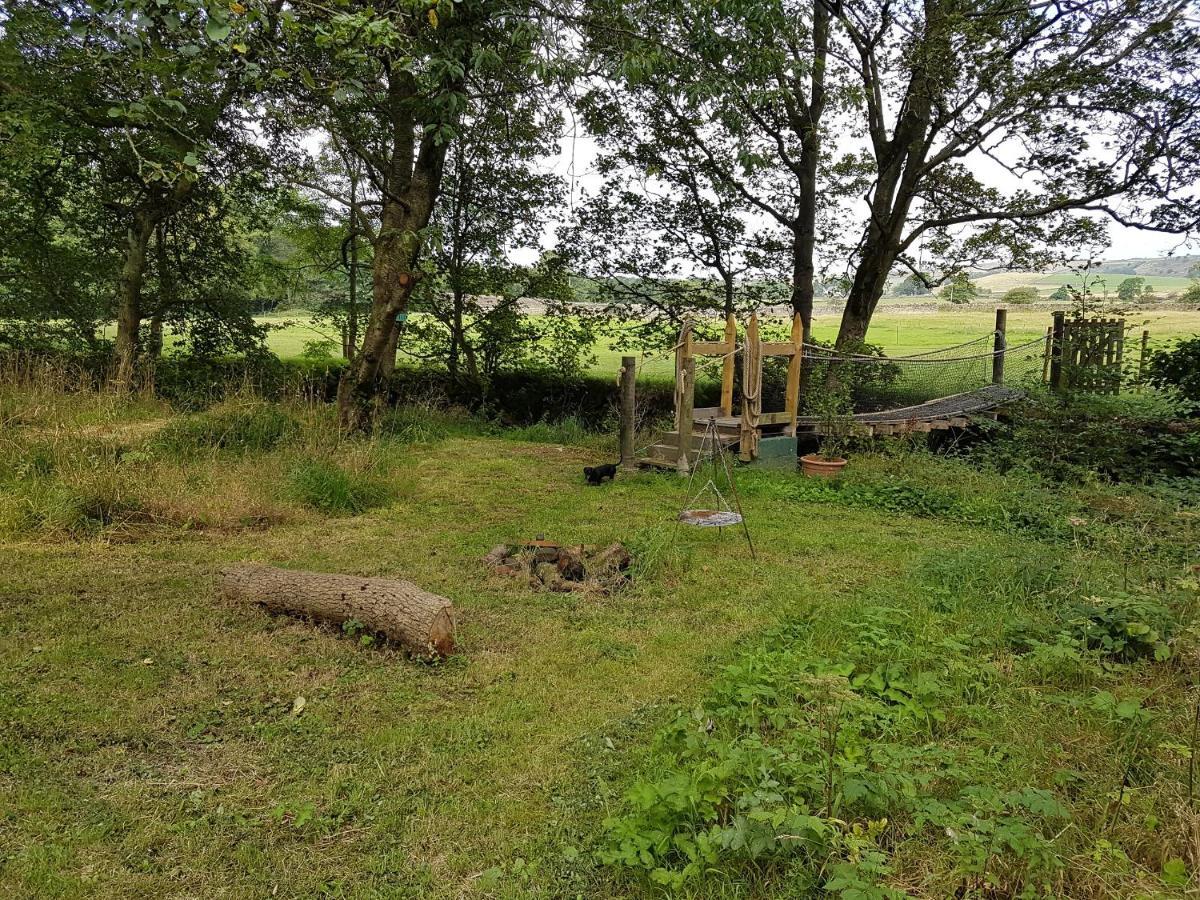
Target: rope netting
pixel 890 382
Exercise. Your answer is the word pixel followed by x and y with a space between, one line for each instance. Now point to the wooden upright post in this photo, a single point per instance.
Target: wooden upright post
pixel 792 396
pixel 1119 355
pixel 683 351
pixel 628 405
pixel 727 365
pixel 685 395
pixel 1046 354
pixel 751 392
pixel 687 404
pixel 999 346
pixel 1057 373
pixel 1141 379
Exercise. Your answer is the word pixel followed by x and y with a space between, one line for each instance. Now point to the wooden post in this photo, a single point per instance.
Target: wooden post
pixel 1141 379
pixel 751 392
pixel 1001 343
pixel 1046 355
pixel 1119 357
pixel 628 405
pixel 1057 375
pixel 685 394
pixel 687 403
pixel 727 365
pixel 792 396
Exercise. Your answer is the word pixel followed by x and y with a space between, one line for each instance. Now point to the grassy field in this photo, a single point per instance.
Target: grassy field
pixel 152 743
pixel 898 331
pixel 1098 284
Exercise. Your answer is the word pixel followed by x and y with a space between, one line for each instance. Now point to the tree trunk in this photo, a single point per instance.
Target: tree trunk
pixel 392 284
pixel 154 342
pixel 870 279
pixel 166 294
pixel 457 338
pixel 129 301
pixel 351 341
pixel 393 278
pixel 387 364
pixel 418 620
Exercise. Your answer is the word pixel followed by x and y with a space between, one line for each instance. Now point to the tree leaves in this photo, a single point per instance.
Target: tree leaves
pixel 217 29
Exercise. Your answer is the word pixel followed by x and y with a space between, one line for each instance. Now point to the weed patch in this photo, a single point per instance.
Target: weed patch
pixel 236 427
pixel 331 489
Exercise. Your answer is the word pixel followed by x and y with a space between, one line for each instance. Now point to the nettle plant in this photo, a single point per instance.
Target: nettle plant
pixel 1123 627
pixel 810 767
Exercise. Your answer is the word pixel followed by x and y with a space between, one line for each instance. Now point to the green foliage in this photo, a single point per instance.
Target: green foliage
pixel 329 488
pixel 1178 368
pixel 1034 515
pixel 912 286
pixel 959 289
pixel 797 761
pixel 1020 296
pixel 239 427
pixel 1131 288
pixel 834 410
pixel 1122 627
pixel 1080 438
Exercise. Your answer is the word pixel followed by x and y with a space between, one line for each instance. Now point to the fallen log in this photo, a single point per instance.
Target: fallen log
pixel 420 621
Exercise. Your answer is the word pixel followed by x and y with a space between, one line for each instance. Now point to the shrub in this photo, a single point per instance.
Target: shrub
pixel 329 488
pixel 1076 438
pixel 242 427
pixel 1178 368
pixel 1020 296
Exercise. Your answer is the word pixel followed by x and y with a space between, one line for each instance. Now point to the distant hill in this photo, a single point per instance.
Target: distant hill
pixel 1168 266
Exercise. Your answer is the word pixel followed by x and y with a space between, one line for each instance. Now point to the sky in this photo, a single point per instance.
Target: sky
pixel 576 158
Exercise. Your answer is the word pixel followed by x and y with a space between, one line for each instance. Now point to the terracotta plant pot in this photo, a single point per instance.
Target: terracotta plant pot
pixel 814 466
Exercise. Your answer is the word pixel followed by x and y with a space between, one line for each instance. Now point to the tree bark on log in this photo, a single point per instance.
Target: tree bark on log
pixel 420 621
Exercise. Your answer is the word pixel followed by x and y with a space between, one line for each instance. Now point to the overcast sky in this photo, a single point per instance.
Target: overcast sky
pixel 576 159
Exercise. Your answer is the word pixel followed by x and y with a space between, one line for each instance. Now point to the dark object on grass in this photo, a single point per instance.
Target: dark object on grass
pixel 420 621
pixel 597 474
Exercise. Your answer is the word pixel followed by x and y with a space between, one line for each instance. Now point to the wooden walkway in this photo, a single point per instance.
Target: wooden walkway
pixel 941 414
pixel 934 415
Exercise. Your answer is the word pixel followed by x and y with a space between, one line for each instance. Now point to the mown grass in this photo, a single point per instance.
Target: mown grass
pixel 148 744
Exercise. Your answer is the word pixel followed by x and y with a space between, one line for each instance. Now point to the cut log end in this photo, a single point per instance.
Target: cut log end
pixel 421 622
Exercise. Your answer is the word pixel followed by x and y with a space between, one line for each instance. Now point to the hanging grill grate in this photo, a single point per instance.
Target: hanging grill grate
pixel 717 512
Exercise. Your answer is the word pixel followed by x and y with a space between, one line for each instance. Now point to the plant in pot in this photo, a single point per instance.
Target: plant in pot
pixel 835 428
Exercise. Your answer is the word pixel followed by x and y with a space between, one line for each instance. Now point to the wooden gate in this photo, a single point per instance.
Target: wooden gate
pixel 1087 354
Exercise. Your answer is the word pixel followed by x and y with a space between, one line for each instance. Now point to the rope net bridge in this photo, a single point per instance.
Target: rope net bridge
pixel 920 392
pixel 878 383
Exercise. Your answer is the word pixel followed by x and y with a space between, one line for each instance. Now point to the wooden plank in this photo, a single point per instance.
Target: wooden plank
pixel 727 365
pixel 710 348
pixel 778 348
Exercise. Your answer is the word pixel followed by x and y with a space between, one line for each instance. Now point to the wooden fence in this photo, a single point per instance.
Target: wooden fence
pixel 1086 354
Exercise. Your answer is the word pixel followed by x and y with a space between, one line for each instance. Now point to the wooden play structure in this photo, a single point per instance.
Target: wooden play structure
pixel 1075 354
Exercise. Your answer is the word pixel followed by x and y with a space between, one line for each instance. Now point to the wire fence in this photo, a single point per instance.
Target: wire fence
pixel 889 382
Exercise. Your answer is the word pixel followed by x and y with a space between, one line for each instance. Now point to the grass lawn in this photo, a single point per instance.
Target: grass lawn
pixel 149 739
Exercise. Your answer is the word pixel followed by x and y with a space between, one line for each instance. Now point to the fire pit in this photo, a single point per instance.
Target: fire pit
pixel 546 565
